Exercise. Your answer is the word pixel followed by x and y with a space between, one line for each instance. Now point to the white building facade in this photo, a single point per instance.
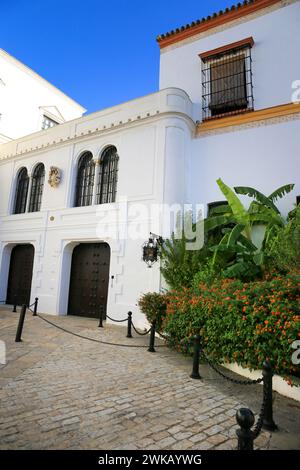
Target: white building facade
pixel 79 199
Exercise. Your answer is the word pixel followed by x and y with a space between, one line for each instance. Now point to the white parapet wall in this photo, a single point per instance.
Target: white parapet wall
pixel 279 384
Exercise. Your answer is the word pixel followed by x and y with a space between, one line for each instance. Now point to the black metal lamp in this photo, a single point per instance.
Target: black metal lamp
pixel 151 249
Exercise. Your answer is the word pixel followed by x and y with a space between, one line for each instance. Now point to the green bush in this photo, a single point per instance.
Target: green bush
pixel 153 305
pixel 283 250
pixel 240 322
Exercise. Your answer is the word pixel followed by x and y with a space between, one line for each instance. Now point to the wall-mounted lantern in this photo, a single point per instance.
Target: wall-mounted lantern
pixel 151 249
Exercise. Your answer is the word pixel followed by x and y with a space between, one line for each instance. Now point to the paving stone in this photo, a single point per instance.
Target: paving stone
pixel 61 392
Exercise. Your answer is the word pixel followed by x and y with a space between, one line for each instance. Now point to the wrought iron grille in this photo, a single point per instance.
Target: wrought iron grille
pixel 85 180
pixel 108 177
pixel 37 188
pixel 21 192
pixel 227 83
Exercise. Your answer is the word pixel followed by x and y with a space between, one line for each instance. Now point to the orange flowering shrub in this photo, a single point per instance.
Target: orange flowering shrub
pixel 240 322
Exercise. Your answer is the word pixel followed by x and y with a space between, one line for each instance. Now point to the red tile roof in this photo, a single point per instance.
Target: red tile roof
pixel 214 20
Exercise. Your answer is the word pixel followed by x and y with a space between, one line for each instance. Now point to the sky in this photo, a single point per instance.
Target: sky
pixel 100 53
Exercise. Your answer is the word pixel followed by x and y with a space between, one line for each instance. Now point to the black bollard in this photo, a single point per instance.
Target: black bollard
pixel 245 419
pixel 129 323
pixel 20 324
pixel 268 422
pixel 35 307
pixel 15 304
pixel 152 337
pixel 101 317
pixel 196 357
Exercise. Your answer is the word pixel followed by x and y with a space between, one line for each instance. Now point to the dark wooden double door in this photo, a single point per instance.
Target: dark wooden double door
pixel 20 275
pixel 89 280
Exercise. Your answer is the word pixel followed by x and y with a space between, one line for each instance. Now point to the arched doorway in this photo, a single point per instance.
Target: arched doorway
pixel 89 279
pixel 20 275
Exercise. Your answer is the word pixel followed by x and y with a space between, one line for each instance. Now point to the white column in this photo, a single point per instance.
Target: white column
pixel 96 179
pixel 28 193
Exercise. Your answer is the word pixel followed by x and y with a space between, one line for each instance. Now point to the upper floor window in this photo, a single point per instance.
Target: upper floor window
pixel 48 122
pixel 107 183
pixel 37 188
pixel 21 192
pixel 298 200
pixel 85 180
pixel 227 80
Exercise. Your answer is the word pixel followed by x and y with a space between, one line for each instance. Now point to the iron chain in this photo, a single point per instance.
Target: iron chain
pixel 117 321
pixel 236 381
pixel 137 332
pixel 93 339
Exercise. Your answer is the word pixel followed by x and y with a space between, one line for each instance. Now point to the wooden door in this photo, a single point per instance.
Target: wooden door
pixel 20 275
pixel 89 279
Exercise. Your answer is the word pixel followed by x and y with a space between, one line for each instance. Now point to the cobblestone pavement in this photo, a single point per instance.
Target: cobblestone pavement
pixel 62 392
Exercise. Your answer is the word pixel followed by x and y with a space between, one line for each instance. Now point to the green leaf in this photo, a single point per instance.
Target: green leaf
pixel 222 209
pixel 280 192
pixel 217 221
pixel 239 212
pixel 257 195
pixel 235 234
pixel 259 259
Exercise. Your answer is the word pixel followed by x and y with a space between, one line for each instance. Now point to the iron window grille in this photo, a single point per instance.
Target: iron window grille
pixel 108 176
pixel 21 192
pixel 47 123
pixel 37 187
pixel 85 180
pixel 227 83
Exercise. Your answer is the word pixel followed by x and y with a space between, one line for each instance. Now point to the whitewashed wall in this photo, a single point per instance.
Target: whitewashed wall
pixel 150 135
pixel 265 157
pixel 23 95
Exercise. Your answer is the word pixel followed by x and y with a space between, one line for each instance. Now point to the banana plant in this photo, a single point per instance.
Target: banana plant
pixel 237 253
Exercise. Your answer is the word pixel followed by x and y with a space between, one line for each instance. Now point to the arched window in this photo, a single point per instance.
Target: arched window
pixel 21 192
pixel 85 180
pixel 107 185
pixel 37 188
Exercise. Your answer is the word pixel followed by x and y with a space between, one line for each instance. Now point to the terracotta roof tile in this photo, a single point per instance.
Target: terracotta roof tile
pixel 247 6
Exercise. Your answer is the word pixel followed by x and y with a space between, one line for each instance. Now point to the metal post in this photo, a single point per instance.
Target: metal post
pixel 245 419
pixel 268 422
pixel 35 307
pixel 129 322
pixel 195 372
pixel 15 304
pixel 101 317
pixel 152 337
pixel 20 324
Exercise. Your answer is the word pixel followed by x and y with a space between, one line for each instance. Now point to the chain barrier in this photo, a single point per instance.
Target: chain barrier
pixel 117 321
pixel 137 332
pixel 94 339
pixel 230 379
pixel 162 335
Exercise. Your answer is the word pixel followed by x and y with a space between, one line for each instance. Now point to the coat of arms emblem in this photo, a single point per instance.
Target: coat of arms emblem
pixel 54 176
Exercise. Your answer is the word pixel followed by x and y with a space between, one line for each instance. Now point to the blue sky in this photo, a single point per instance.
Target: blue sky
pixel 101 53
